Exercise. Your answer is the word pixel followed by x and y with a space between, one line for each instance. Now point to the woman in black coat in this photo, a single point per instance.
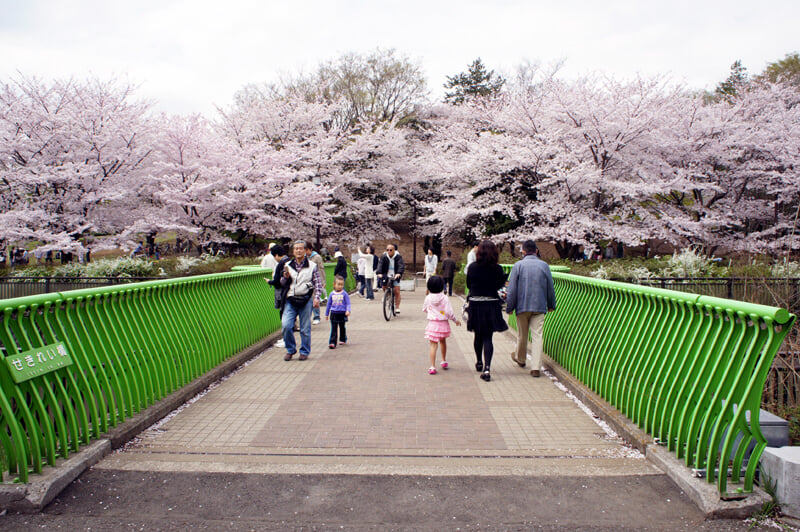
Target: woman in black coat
pixel 484 278
pixel 340 269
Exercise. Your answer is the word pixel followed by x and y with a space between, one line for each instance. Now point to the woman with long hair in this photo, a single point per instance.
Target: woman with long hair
pixel 484 278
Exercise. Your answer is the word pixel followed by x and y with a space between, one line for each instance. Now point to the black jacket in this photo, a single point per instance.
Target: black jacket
pixel 399 265
pixel 280 291
pixel 341 268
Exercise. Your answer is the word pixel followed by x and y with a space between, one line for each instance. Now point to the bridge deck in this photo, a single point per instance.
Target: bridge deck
pixel 370 407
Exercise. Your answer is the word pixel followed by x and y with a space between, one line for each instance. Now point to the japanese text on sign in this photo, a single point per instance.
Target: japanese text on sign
pixel 29 364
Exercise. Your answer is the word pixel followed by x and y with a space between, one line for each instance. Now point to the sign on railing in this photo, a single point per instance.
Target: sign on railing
pixel 29 364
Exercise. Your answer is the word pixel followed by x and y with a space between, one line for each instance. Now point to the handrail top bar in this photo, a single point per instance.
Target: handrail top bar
pixel 777 314
pixel 83 293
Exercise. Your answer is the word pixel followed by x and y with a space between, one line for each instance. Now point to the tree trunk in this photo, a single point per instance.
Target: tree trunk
pixel 414 234
pixel 567 250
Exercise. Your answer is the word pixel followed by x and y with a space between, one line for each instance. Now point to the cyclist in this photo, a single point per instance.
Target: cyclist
pixel 392 267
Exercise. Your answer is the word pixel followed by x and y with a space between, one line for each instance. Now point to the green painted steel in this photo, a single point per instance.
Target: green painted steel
pixel 131 345
pixel 687 369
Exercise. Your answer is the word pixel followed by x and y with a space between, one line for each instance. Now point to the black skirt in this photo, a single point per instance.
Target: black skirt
pixel 486 317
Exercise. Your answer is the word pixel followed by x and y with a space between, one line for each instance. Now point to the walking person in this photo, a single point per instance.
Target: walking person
pixel 279 252
pixel 392 267
pixel 448 273
pixel 431 261
pixel 369 270
pixel 484 278
pixel 316 258
pixel 531 295
pixel 440 313
pixel 303 284
pixel 337 310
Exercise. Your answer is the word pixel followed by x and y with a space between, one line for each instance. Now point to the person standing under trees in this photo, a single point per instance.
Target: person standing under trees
pixel 448 273
pixel 392 267
pixel 270 260
pixel 471 256
pixel 431 261
pixel 316 258
pixel 341 265
pixel 361 266
pixel 484 278
pixel 531 295
pixel 369 270
pixel 302 282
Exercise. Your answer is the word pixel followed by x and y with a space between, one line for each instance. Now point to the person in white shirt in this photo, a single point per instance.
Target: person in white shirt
pixel 369 272
pixel 361 264
pixel 269 260
pixel 431 262
pixel 472 255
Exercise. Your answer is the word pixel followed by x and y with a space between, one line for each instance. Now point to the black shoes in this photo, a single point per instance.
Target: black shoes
pixel 486 376
pixel 479 366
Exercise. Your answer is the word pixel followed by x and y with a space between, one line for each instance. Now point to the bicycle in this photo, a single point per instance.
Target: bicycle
pixel 388 299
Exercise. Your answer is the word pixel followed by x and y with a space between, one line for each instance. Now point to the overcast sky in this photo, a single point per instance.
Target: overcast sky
pixel 190 55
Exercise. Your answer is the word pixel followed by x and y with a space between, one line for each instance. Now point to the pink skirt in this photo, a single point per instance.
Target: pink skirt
pixel 437 330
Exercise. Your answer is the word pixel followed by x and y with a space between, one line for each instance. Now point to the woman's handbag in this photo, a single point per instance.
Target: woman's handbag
pixel 465 311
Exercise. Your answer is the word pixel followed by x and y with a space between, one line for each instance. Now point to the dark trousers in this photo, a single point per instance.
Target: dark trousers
pixel 448 286
pixel 360 279
pixel 483 344
pixel 338 331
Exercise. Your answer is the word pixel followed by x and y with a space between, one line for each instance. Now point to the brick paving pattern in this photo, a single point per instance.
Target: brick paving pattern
pixel 372 402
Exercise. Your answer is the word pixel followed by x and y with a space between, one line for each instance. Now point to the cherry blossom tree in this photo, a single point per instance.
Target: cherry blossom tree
pixel 734 169
pixel 69 151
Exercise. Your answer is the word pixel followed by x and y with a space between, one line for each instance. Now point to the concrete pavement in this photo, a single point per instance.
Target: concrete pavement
pixel 370 407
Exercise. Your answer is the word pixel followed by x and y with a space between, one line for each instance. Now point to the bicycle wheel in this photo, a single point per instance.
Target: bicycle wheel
pixel 388 303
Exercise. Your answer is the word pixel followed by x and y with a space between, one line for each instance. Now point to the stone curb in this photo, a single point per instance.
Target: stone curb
pixel 42 489
pixel 703 494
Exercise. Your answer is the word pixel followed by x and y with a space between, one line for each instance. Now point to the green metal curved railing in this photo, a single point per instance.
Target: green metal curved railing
pixel 687 369
pixel 130 346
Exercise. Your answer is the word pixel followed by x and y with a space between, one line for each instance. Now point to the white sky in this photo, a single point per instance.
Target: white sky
pixel 190 55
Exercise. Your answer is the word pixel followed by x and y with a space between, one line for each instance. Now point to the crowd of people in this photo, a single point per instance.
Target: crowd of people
pixel 527 291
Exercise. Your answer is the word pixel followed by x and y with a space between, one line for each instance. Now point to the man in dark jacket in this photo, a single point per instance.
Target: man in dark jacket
pixel 392 267
pixel 448 273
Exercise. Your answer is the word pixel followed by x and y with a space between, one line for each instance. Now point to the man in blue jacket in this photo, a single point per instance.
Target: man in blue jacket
pixel 531 295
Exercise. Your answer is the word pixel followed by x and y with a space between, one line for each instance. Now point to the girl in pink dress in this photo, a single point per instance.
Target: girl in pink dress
pixel 437 305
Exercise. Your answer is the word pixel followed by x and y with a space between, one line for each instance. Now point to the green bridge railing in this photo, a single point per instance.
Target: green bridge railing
pixel 75 364
pixel 687 369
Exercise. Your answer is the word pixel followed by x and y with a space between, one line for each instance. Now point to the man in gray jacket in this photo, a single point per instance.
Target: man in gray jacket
pixel 531 295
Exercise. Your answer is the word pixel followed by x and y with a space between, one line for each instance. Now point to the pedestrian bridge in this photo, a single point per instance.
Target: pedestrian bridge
pixel 81 365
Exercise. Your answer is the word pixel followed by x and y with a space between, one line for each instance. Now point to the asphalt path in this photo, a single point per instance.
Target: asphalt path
pixel 112 500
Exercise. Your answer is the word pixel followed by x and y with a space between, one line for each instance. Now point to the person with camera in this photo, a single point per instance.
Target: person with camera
pixel 302 283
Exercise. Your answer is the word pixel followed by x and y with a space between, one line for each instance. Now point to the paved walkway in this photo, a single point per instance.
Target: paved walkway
pixel 361 438
pixel 370 407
